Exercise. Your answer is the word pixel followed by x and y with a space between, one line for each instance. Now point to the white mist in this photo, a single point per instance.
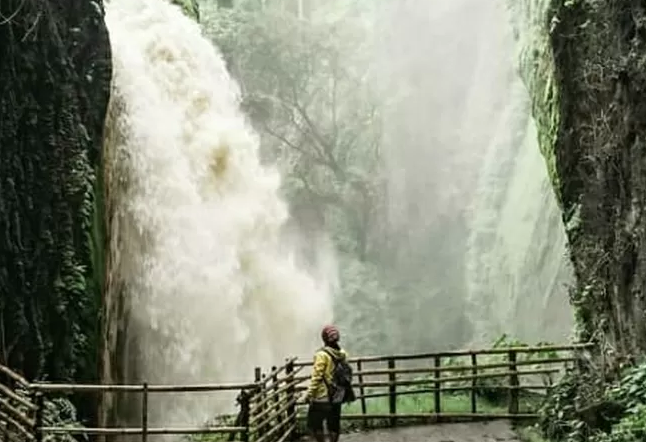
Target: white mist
pixel 195 235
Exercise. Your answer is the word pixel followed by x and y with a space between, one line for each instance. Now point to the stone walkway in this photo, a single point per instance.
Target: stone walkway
pixel 497 431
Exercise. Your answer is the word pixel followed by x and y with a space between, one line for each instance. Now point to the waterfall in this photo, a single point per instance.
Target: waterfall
pixel 472 209
pixel 518 270
pixel 517 264
pixel 209 289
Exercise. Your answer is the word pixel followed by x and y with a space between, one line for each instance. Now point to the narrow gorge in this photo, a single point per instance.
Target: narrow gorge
pixel 190 189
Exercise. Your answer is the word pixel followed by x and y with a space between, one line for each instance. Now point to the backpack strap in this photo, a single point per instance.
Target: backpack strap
pixel 335 361
pixel 329 353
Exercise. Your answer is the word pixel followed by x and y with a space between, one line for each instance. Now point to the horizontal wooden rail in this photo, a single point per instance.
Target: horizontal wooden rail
pixel 419 391
pixel 445 380
pixel 356 416
pixel 140 388
pixel 135 431
pixel 456 353
pixel 450 368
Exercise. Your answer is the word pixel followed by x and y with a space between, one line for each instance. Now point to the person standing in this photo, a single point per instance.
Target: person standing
pixel 330 386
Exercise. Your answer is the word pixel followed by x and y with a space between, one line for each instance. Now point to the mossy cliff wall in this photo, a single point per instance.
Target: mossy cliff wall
pixel 55 72
pixel 585 66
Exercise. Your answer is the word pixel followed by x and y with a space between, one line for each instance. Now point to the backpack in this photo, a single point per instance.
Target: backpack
pixel 340 389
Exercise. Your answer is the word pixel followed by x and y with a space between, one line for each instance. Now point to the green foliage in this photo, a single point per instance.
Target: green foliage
pixel 215 422
pixel 630 395
pixel 583 408
pixel 530 434
pixel 631 428
pixel 190 8
pixel 60 412
pixel 559 420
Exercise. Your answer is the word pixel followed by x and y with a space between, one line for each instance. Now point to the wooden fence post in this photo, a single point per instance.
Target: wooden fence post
pixel 291 397
pixel 264 394
pixel 260 397
pixel 40 416
pixel 392 392
pixel 245 399
pixel 276 393
pixel 144 413
pixel 362 393
pixel 474 383
pixel 437 362
pixel 513 383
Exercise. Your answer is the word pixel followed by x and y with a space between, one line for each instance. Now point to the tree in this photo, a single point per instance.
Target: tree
pixel 306 85
pixel 304 88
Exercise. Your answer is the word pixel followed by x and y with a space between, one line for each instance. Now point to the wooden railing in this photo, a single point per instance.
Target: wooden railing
pixel 145 390
pixel 497 383
pixel 19 414
pixel 273 408
pixel 454 385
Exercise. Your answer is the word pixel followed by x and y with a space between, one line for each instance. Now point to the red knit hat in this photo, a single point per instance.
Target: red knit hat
pixel 330 334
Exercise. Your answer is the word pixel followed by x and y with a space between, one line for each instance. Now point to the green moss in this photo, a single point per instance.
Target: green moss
pixel 538 72
pixel 190 8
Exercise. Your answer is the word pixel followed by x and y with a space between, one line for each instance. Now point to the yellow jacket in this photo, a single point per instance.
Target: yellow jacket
pixel 322 369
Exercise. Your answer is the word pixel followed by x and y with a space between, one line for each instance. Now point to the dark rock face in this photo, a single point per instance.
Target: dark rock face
pixel 600 151
pixel 55 71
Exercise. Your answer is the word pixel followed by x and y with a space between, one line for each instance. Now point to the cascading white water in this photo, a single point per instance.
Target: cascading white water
pixel 517 263
pixel 518 269
pixel 464 161
pixel 195 234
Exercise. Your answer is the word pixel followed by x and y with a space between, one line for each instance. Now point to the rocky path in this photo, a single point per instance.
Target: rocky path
pixel 498 431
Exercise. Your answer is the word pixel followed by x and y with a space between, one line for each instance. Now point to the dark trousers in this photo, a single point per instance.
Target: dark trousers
pixel 318 412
